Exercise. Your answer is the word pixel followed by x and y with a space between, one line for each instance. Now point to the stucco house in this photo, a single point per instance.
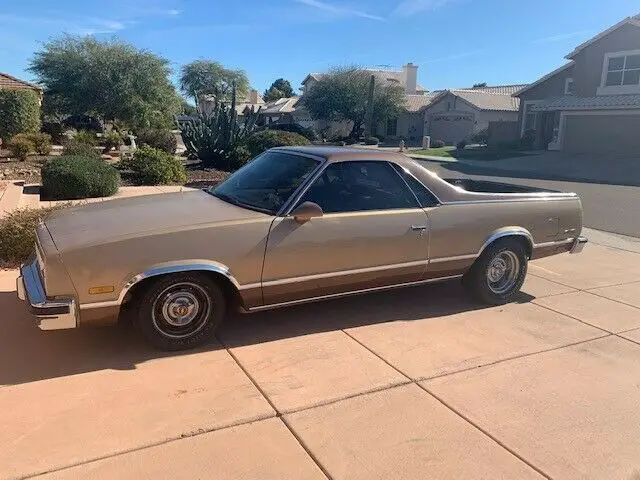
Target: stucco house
pixel 8 82
pixel 457 114
pixel 592 103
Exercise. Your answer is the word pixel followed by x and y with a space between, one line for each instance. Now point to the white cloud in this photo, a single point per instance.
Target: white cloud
pixel 339 11
pixel 411 7
pixel 560 37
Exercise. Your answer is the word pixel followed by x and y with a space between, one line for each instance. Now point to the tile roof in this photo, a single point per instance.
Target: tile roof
pixel 9 82
pixel 282 105
pixel 570 102
pixel 502 102
pixel 416 103
pixel 505 89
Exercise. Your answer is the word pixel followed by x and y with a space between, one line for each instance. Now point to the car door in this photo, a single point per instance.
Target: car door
pixel 373 233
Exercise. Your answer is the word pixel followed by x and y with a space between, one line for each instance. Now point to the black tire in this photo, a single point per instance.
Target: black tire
pixel 504 290
pixel 180 311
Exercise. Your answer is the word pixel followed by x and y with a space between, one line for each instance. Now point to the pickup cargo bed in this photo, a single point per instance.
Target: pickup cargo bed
pixel 483 186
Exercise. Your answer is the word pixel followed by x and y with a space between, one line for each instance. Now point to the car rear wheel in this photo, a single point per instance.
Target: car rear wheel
pixel 498 274
pixel 180 311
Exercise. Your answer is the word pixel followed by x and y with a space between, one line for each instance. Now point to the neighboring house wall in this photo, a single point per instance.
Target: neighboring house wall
pixel 550 87
pixel 411 127
pixel 589 61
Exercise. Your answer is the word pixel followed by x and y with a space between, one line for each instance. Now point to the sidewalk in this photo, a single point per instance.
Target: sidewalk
pixel 414 383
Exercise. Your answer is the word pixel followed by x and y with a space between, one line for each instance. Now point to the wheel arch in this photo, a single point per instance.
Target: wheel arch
pixel 518 233
pixel 214 270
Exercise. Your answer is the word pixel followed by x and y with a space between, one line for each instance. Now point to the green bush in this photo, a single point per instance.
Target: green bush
pixel 20 146
pixel 437 144
pixel 41 142
pixel 161 139
pixel 18 234
pixel 528 138
pixel 86 137
pixel 19 112
pixel 261 141
pixel 307 132
pixel 461 144
pixel 55 129
pixel 72 177
pixel 371 141
pixel 153 166
pixel 239 157
pixel 481 137
pixel 112 140
pixel 77 148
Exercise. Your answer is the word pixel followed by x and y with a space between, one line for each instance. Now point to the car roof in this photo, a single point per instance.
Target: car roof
pixel 341 154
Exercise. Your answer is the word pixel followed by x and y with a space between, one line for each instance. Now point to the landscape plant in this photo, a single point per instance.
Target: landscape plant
pixel 266 139
pixel 19 113
pixel 20 147
pixel 152 166
pixel 71 177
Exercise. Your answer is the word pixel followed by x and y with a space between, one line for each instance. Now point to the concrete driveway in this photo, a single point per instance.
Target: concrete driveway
pixel 417 383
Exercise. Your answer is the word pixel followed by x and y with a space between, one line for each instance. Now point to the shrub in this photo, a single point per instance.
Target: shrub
pixel 20 112
pixel 70 177
pixel 461 144
pixel 153 166
pixel 308 133
pixel 18 234
pixel 86 137
pixel 481 137
pixel 437 144
pixel 528 138
pixel 161 139
pixel 371 141
pixel 240 156
pixel 79 149
pixel 112 140
pixel 261 141
pixel 41 142
pixel 20 146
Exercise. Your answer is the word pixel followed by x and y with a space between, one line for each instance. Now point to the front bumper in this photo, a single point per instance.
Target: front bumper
pixel 578 244
pixel 50 314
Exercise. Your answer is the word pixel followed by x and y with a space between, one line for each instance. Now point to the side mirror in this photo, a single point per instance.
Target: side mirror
pixel 306 211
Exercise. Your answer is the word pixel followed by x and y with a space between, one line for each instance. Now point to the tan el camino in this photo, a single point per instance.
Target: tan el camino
pixel 294 225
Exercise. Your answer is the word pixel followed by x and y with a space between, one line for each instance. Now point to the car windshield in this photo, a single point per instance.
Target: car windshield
pixel 267 182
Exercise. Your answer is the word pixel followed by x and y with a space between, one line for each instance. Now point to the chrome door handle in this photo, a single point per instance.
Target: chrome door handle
pixel 418 227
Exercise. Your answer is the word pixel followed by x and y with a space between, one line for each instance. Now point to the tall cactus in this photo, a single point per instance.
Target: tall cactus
pixel 215 137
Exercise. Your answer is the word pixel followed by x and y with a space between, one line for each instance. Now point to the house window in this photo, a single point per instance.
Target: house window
pixel 623 70
pixel 568 86
pixel 392 126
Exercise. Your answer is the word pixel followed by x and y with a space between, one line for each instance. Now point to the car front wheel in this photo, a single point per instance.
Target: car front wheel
pixel 180 311
pixel 498 274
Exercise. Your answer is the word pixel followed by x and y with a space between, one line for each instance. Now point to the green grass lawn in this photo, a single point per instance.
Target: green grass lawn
pixel 478 153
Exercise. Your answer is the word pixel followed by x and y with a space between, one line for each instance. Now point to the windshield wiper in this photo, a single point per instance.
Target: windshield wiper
pixel 234 201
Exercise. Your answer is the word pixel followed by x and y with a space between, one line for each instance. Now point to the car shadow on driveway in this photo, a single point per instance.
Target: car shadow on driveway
pixel 28 354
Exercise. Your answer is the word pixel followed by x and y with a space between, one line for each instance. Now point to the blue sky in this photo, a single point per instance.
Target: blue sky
pixel 455 42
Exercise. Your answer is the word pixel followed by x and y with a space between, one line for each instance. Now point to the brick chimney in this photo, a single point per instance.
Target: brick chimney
pixel 410 74
pixel 253 96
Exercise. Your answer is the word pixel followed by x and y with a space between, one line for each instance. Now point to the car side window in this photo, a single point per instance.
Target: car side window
pixel 359 186
pixel 425 197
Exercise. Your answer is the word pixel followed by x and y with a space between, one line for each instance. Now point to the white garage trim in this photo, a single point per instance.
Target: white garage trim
pixel 559 145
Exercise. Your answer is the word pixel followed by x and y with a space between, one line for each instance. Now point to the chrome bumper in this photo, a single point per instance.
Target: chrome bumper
pixel 50 314
pixel 578 244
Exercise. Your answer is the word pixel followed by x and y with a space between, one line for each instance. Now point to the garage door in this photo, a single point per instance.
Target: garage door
pixel 602 134
pixel 450 127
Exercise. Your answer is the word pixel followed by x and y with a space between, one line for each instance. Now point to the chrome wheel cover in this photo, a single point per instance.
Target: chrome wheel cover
pixel 503 272
pixel 181 310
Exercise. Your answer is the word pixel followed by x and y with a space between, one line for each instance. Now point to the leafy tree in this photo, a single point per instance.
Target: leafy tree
pixel 109 79
pixel 342 93
pixel 479 85
pixel 205 77
pixel 281 88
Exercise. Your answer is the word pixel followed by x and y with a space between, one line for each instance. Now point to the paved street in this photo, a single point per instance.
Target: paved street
pixel 612 208
pixel 415 383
